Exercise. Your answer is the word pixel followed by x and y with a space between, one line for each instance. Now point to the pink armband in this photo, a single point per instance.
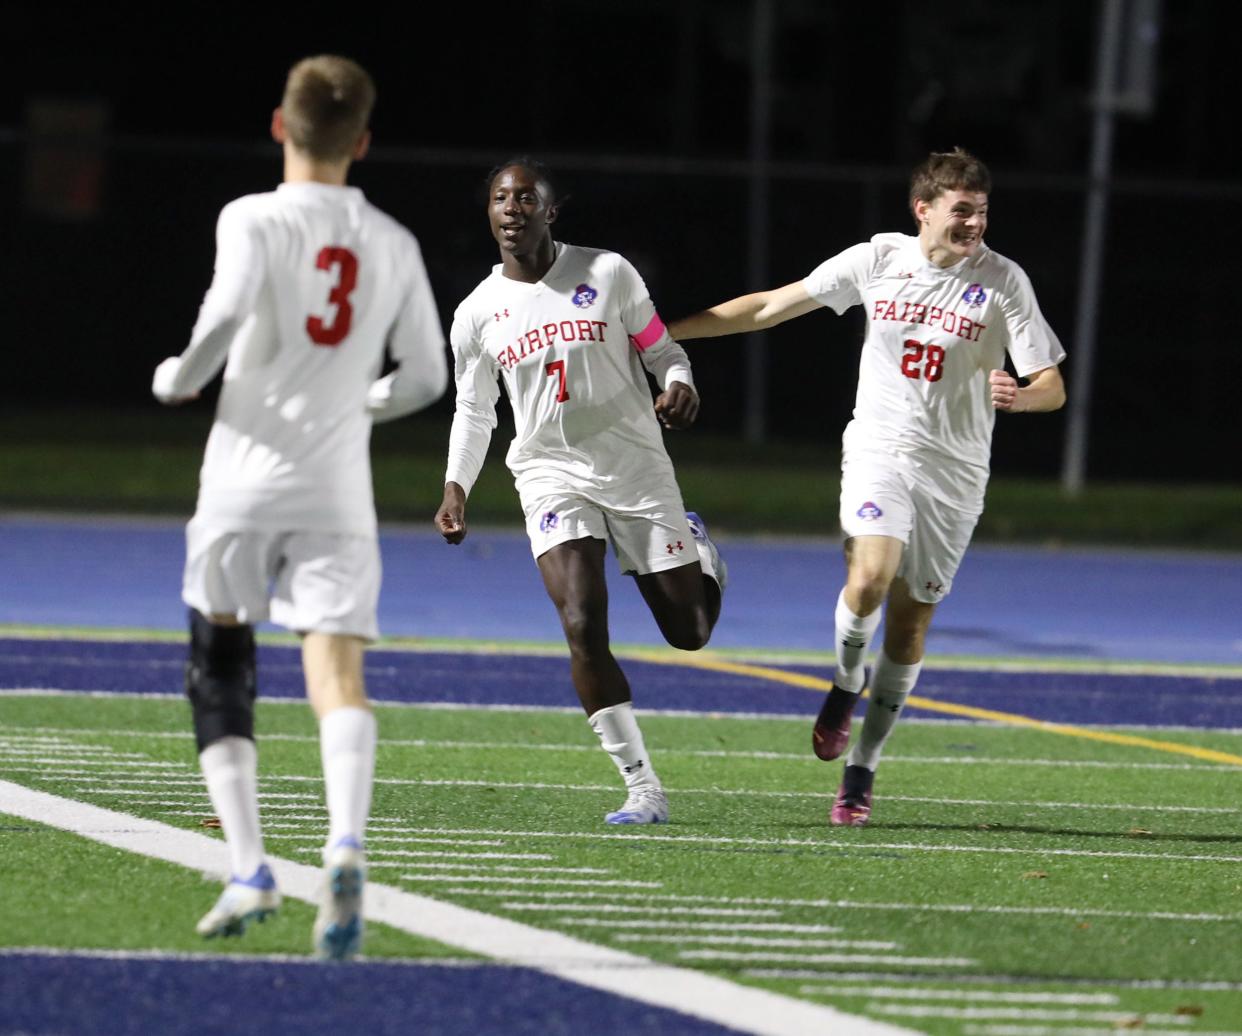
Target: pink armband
pixel 649 335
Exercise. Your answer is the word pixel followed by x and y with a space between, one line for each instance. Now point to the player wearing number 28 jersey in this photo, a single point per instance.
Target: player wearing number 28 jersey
pixel 942 311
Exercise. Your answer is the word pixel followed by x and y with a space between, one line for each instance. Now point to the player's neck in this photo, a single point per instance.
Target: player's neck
pixel 302 168
pixel 530 267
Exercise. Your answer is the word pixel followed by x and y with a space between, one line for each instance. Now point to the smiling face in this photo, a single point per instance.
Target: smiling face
pixel 521 210
pixel 951 226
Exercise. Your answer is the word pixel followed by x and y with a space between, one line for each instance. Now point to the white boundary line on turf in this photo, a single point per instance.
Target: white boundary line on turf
pixel 679 989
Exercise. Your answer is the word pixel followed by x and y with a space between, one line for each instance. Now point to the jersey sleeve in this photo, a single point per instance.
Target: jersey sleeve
pixel 659 352
pixel 240 271
pixel 416 345
pixel 837 282
pixel 474 418
pixel 1032 345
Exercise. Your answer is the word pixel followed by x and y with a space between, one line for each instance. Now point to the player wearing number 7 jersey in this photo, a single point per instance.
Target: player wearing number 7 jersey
pixel 312 284
pixel 569 331
pixel 942 310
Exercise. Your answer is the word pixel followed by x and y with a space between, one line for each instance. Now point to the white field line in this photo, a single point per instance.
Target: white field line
pixel 189 778
pixel 1119 1019
pixel 627 908
pixel 138 793
pixel 54 766
pixel 311 817
pixel 594 883
pixel 942 760
pixel 975 978
pixel 691 992
pixel 384 854
pixel 689 939
pixel 846 904
pixel 717 792
pixel 703 926
pixel 844 848
pixel 1077 1030
pixel 486 842
pixel 965 995
pixel 505 868
pixel 828 958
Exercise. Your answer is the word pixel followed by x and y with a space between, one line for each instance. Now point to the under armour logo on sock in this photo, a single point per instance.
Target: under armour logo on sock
pixel 633 769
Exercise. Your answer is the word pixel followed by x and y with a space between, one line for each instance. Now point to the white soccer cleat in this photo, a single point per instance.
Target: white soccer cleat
pixel 244 900
pixel 709 554
pixel 645 804
pixel 339 925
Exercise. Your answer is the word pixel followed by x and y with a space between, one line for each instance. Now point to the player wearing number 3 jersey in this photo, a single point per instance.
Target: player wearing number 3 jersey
pixel 570 332
pixel 942 311
pixel 312 284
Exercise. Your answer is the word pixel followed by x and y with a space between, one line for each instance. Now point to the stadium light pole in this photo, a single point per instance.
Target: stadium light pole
pixel 1124 82
pixel 759 211
pixel 1074 462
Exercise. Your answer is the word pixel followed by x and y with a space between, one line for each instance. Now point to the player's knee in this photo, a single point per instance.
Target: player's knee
pixel 585 629
pixel 220 680
pixel 690 634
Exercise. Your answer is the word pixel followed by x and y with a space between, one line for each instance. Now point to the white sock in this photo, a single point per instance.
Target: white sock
pixel 853 634
pixel 347 739
pixel 891 685
pixel 231 769
pixel 619 736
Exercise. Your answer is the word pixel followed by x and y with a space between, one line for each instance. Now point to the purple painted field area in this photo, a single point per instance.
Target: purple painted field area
pixel 500 679
pixel 134 996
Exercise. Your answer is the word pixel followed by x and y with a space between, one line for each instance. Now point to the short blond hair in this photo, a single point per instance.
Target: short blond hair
pixel 327 106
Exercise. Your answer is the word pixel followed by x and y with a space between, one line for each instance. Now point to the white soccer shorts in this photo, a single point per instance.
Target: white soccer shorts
pixel 649 534
pixel 308 582
pixel 887 495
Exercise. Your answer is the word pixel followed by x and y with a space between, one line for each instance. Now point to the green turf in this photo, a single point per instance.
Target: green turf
pixel 1046 861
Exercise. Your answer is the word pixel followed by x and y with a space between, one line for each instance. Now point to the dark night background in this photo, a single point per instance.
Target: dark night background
pixel 123 133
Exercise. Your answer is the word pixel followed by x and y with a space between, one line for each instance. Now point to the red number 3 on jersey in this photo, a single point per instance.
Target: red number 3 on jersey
pixel 346 264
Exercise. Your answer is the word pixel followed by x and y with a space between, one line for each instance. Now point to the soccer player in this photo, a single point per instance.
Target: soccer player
pixel 312 283
pixel 942 310
pixel 571 332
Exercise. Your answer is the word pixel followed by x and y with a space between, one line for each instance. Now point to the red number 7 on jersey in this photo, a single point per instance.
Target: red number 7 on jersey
pixel 346 262
pixel 557 367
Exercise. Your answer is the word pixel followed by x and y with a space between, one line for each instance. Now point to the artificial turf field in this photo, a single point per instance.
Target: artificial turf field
pixel 1017 877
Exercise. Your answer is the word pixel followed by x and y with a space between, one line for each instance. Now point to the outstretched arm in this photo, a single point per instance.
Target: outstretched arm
pixel 234 287
pixel 754 312
pixel 1044 390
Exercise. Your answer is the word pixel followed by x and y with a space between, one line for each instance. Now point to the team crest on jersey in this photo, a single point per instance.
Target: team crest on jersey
pixel 585 296
pixel 869 512
pixel 974 295
pixel 549 521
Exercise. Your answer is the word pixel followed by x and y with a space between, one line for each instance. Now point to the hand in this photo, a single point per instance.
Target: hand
pixel 162 382
pixel 677 406
pixel 451 518
pixel 1004 391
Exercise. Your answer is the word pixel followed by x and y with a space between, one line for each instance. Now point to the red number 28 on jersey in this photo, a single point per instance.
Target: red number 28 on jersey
pixel 346 264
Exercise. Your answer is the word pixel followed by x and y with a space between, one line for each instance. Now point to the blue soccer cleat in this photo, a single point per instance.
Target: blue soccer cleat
pixel 244 900
pixel 709 555
pixel 645 804
pixel 339 925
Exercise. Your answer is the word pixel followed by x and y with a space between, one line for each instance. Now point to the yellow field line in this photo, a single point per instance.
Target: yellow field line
pixel 815 683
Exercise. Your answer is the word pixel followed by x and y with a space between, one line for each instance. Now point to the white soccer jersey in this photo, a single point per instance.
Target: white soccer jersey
pixel 571 351
pixel 311 282
pixel 932 337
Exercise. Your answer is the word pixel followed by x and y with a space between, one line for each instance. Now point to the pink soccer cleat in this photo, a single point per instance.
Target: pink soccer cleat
pixel 832 725
pixel 852 807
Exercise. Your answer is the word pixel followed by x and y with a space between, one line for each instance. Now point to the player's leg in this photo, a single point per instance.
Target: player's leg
pixel 893 677
pixel 876 515
pixel 938 540
pixel 328 591
pixel 573 574
pixel 224 578
pixel 657 542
